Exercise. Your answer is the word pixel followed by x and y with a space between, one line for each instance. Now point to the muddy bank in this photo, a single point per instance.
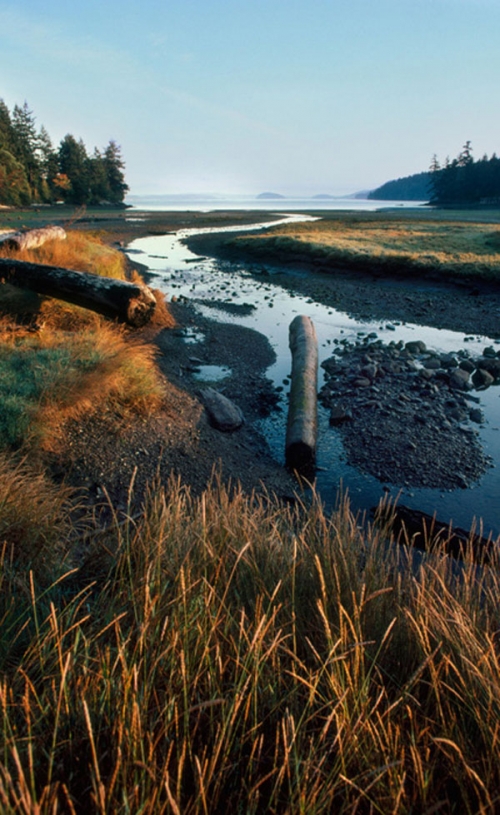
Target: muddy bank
pixel 470 307
pixel 103 457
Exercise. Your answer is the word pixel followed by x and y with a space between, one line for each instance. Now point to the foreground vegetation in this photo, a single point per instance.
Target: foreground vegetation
pixel 409 246
pixel 224 653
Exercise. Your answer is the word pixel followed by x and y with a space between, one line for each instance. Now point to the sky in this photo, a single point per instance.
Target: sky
pixel 298 97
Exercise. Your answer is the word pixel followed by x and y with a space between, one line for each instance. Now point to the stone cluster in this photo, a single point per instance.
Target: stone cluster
pixel 406 413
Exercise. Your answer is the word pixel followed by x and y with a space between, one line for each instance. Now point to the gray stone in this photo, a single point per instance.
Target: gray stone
pixel 467 365
pixel 369 371
pixel 416 346
pixel 459 379
pixel 490 365
pixel 482 379
pixel 432 364
pixel 476 415
pixel 339 414
pixel 223 414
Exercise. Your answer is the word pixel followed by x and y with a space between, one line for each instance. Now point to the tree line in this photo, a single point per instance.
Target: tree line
pixel 465 182
pixel 33 171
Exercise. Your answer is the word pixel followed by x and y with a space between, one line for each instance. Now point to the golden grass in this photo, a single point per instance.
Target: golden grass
pixel 226 654
pixel 80 251
pixel 75 362
pixel 52 376
pixel 409 245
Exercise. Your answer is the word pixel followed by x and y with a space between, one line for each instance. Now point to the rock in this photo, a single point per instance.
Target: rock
pixel 223 414
pixel 339 414
pixel 459 379
pixel 369 371
pixel 432 364
pixel 448 361
pixel 467 365
pixel 490 365
pixel 482 379
pixel 416 346
pixel 489 351
pixel 476 415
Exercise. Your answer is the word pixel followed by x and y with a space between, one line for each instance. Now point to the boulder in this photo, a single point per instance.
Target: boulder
pixel 223 413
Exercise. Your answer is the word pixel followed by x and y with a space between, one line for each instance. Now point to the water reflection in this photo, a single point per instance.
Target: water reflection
pixel 216 286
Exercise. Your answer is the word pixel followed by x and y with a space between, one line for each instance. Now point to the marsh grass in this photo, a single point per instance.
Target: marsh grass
pixel 75 362
pixel 51 376
pixel 223 653
pixel 411 246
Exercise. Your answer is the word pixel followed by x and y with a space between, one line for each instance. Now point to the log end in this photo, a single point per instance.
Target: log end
pixel 301 457
pixel 140 309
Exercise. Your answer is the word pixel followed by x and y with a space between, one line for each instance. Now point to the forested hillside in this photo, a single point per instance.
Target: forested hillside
pixel 32 170
pixel 410 188
pixel 465 182
pixel 460 182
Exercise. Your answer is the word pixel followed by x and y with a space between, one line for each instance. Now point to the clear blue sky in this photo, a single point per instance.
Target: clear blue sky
pixel 294 96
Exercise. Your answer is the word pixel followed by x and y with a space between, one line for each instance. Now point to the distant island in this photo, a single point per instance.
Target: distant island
pixel 269 196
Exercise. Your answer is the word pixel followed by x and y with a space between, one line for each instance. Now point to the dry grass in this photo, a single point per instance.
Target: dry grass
pixel 75 362
pixel 409 246
pixel 80 251
pixel 225 654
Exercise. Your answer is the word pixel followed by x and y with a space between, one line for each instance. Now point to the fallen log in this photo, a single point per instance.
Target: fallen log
pixel 411 527
pixel 302 423
pixel 132 303
pixel 32 238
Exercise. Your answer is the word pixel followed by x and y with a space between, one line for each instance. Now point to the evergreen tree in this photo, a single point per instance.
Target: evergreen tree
pixel 14 188
pixel 114 172
pixel 74 164
pixel 6 132
pixel 32 170
pixel 25 146
pixel 49 165
pixel 99 186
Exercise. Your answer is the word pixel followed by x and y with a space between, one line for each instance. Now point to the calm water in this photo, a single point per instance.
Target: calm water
pixel 180 273
pixel 200 203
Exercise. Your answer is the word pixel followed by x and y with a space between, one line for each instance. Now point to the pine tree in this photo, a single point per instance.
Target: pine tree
pixel 25 146
pixel 114 172
pixel 74 164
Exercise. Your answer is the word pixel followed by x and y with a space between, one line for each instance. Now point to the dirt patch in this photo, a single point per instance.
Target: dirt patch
pixel 104 457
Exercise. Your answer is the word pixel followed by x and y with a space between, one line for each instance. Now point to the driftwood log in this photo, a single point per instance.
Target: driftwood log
pixel 411 527
pixel 132 303
pixel 302 424
pixel 32 238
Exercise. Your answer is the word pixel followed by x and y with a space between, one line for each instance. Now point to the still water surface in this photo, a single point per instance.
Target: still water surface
pixel 180 272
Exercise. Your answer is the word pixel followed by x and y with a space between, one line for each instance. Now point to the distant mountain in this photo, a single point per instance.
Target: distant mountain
pixel 269 196
pixel 410 188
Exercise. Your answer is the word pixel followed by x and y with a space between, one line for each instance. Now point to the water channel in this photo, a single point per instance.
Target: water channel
pixel 271 309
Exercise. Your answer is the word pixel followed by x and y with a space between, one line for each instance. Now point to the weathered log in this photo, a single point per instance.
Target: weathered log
pixel 132 303
pixel 302 424
pixel 411 527
pixel 32 238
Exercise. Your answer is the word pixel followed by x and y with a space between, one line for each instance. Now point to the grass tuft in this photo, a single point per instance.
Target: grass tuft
pixel 224 652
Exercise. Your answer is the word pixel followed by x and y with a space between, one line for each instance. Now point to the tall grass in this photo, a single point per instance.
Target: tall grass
pixel 76 361
pixel 226 654
pixel 51 376
pixel 79 251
